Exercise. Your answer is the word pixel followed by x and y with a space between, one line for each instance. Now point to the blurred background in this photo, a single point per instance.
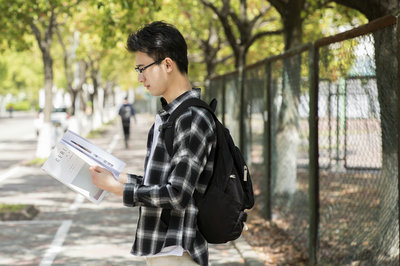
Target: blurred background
pixel 67 59
pixel 308 88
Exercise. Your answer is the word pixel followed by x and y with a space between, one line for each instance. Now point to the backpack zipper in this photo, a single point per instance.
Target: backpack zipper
pixel 245 227
pixel 245 173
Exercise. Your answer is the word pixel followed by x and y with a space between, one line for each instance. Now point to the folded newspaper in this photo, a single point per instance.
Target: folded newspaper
pixel 70 160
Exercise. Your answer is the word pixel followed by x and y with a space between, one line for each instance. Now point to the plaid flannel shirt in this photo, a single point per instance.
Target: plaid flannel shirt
pixel 168 214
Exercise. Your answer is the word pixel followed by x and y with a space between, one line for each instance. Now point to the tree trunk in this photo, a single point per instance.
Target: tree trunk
pixel 287 136
pixel 94 97
pixel 386 48
pixel 74 97
pixel 48 84
pixel 46 138
pixel 75 79
pixel 388 88
pixel 46 135
pixel 241 64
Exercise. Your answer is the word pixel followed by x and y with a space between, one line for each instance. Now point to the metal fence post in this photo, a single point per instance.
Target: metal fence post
pixel 313 157
pixel 398 116
pixel 223 99
pixel 267 141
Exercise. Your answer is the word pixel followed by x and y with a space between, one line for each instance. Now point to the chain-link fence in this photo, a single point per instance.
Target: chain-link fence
pixel 322 132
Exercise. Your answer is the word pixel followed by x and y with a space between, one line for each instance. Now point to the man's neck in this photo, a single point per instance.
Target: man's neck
pixel 177 86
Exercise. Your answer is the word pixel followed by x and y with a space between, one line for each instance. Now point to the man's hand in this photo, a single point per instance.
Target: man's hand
pixel 123 178
pixel 104 179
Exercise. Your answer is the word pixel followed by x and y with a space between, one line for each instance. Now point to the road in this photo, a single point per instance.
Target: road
pixel 70 230
pixel 17 141
pixel 21 125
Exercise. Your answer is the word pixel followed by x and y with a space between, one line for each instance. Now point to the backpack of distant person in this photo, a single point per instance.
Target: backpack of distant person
pixel 221 217
pixel 126 112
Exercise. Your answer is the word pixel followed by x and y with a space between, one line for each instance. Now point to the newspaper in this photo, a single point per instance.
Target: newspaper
pixel 70 160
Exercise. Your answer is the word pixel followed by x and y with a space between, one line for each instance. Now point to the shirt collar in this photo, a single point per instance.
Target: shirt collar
pixel 168 108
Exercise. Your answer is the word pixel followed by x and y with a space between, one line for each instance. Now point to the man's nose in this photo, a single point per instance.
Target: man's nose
pixel 141 77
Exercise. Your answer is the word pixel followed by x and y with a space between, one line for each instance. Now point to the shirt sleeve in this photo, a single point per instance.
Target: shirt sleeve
pixel 135 179
pixel 193 141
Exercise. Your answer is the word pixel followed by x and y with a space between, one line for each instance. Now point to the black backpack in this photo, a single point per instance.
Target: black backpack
pixel 229 192
pixel 126 112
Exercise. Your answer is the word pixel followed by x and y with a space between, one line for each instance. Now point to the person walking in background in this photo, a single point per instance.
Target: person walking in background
pixel 126 111
pixel 10 110
pixel 167 231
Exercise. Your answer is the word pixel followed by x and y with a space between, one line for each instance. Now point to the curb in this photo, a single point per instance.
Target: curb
pixel 248 254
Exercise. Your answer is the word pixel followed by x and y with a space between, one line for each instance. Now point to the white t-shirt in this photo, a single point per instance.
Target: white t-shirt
pixel 171 250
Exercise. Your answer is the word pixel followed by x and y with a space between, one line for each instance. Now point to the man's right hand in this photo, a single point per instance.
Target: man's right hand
pixel 123 178
pixel 104 179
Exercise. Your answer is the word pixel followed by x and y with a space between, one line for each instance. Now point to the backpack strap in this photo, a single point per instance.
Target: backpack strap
pixel 169 132
pixel 169 126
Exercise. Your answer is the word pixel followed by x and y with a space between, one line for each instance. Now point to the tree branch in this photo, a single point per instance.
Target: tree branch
pixel 262 34
pixel 68 74
pixel 49 31
pixel 236 20
pixel 219 61
pixel 279 5
pixel 223 17
pixel 211 6
pixel 38 36
pixel 260 15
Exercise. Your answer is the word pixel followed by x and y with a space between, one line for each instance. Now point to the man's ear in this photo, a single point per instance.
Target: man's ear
pixel 169 64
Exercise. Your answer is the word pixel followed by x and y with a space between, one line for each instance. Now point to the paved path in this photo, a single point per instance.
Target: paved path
pixel 72 231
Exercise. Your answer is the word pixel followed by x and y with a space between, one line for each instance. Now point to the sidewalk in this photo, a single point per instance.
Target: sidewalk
pixel 72 231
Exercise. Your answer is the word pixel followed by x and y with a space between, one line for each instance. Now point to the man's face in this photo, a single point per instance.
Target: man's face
pixel 153 77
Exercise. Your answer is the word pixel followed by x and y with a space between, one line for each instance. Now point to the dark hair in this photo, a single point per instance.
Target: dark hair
pixel 160 40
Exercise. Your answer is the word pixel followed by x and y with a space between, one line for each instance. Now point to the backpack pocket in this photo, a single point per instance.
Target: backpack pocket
pixel 219 219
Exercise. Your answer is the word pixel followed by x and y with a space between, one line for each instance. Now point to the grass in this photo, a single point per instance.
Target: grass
pixel 11 207
pixel 99 132
pixel 96 133
pixel 35 162
pixel 110 122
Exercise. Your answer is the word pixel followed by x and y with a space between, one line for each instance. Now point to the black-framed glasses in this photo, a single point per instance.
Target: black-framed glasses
pixel 140 70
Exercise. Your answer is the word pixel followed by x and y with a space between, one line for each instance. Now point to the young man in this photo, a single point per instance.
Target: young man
pixel 167 232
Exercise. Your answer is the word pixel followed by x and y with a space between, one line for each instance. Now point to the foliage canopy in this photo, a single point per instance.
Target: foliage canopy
pixel 104 25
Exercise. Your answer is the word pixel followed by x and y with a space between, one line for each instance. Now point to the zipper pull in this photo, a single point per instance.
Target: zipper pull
pixel 245 173
pixel 245 227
